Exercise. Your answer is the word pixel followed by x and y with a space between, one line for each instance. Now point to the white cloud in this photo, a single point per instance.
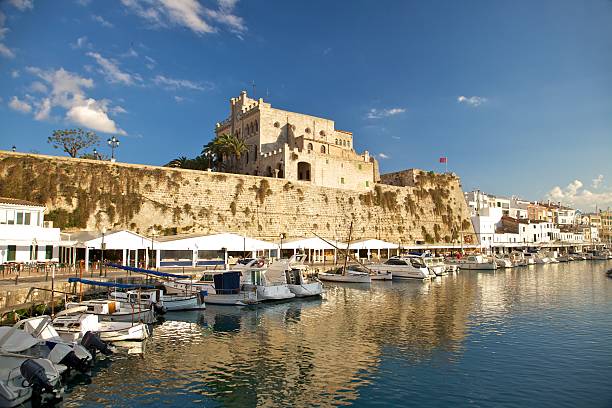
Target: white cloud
pixel 14 74
pixel 473 101
pixel 188 13
pixel 67 91
pixel 174 84
pixel 19 105
pixel 38 86
pixel 179 99
pixel 150 62
pixel 597 181
pixel 383 156
pixel 44 110
pixel 83 2
pixel 102 21
pixel 576 195
pixel 23 5
pixel 131 53
pixel 384 113
pixel 115 110
pixel 395 137
pixel 93 115
pixel 111 71
pixel 81 42
pixel 4 50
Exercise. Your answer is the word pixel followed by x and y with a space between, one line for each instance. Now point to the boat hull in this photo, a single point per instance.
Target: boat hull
pixel 332 277
pixel 382 276
pixel 175 303
pixel 306 289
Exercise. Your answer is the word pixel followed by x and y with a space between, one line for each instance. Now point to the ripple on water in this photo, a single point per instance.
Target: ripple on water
pixel 535 336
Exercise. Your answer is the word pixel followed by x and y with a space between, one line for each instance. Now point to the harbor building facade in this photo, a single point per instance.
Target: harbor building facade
pixel 295 146
pixel 25 237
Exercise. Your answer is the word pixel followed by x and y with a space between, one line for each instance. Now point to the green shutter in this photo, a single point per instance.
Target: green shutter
pixel 12 252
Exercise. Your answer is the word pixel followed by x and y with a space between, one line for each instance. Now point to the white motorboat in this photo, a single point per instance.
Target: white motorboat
pixel 535 258
pixel 404 267
pixel 435 264
pixel 503 262
pixel 74 324
pixel 345 275
pixel 114 311
pixel 268 284
pixel 41 327
pixel 16 340
pixel 161 302
pixel 300 282
pixel 601 255
pixel 23 378
pixel 477 262
pixel 577 256
pixel 374 275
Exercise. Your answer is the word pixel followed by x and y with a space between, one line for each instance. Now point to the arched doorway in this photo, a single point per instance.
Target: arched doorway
pixel 304 171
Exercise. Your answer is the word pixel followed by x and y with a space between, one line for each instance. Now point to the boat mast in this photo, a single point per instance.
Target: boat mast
pixel 348 244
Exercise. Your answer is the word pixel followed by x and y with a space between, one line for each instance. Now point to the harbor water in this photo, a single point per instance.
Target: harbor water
pixel 526 337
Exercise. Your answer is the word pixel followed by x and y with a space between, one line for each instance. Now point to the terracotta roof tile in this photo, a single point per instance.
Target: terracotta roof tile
pixel 15 201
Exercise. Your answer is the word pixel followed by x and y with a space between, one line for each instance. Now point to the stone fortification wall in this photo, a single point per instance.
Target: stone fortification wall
pixel 88 194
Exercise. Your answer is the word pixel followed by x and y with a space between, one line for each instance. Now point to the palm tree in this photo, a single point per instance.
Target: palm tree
pixel 222 146
pixel 179 162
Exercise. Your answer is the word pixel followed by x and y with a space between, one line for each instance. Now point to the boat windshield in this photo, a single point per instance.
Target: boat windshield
pixel 417 262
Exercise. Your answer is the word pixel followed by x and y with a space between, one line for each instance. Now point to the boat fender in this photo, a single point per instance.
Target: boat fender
pixel 260 263
pixel 92 342
pixel 35 376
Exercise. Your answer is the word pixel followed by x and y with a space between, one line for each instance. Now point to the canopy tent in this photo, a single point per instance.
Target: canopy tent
pixel 366 248
pixel 122 239
pixel 207 250
pixel 312 243
pixel 372 244
pixel 121 245
pixel 229 241
pixel 318 249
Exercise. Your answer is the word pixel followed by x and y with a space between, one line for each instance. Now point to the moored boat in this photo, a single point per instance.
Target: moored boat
pixel 73 324
pixel 405 267
pixel 477 262
pixel 345 275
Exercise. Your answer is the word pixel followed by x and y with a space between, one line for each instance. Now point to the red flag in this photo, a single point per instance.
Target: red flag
pixel 443 159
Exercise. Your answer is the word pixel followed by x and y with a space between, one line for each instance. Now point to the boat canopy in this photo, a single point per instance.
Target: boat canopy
pixel 146 271
pixel 109 284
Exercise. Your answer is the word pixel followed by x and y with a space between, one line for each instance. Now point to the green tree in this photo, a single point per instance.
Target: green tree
pixel 224 146
pixel 72 141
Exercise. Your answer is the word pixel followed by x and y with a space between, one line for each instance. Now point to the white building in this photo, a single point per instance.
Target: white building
pixel 24 235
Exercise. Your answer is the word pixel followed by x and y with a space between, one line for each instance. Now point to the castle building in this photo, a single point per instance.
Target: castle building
pixel 295 146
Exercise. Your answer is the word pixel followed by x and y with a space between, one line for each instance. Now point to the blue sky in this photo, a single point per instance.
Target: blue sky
pixel 517 94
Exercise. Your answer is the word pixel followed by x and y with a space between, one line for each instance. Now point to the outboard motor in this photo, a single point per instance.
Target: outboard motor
pixel 159 308
pixel 93 343
pixel 64 354
pixel 35 376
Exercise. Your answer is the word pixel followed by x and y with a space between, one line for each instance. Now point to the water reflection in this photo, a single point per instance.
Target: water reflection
pixel 329 351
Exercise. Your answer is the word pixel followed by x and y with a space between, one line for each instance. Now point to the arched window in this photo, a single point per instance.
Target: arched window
pixel 276 124
pixel 344 143
pixel 322 148
pixel 322 133
pixel 309 146
pixel 336 141
pixel 307 130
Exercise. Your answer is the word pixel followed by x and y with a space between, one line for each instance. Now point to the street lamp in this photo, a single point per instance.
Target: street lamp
pixel 113 142
pixel 96 154
pixel 280 252
pixel 102 247
pixel 14 149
